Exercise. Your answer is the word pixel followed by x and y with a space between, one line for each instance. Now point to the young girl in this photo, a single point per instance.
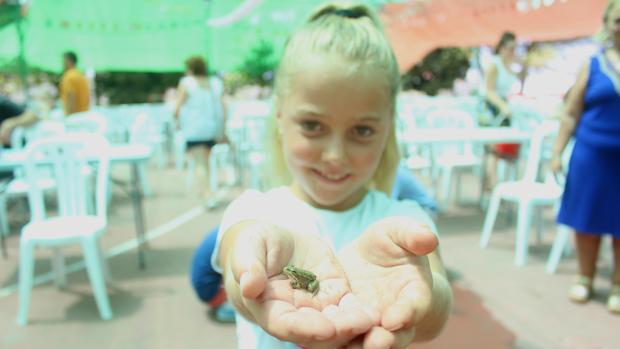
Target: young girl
pixel 381 283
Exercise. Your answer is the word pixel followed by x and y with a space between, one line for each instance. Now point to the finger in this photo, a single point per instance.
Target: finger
pixel 357 343
pixel 349 318
pixel 412 303
pixel 284 321
pixel 413 237
pixel 378 338
pixel 248 265
pixel 404 338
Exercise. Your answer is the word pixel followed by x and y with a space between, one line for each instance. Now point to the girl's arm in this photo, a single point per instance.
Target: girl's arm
pixel 491 94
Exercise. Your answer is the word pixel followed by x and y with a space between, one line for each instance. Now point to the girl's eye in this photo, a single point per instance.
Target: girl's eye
pixel 364 131
pixel 311 126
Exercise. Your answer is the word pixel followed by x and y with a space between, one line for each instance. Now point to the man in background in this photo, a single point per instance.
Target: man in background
pixel 74 90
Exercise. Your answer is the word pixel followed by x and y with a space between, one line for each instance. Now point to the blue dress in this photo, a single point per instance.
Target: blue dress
pixel 591 200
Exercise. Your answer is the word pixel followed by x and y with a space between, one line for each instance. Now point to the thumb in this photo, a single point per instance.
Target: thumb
pixel 259 254
pixel 416 238
pixel 248 264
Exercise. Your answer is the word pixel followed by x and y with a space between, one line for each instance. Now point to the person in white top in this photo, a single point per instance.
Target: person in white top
pixel 500 81
pixel 381 281
pixel 200 114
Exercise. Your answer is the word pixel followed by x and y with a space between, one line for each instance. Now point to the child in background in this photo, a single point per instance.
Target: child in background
pixel 381 282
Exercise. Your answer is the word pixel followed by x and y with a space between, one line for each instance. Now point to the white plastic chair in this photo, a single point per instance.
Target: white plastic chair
pixel 412 153
pixel 528 193
pixel 66 156
pixel 18 187
pixel 87 121
pixel 221 168
pixel 251 150
pixel 141 132
pixel 453 157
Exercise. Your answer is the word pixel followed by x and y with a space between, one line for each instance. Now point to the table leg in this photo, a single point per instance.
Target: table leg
pixel 483 177
pixel 3 245
pixel 136 199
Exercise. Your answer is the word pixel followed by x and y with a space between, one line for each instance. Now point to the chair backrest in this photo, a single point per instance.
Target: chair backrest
pixel 541 134
pixel 88 121
pixel 42 129
pixel 66 157
pixel 221 164
pixel 452 119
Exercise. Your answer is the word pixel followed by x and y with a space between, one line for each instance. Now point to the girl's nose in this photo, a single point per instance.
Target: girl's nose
pixel 335 150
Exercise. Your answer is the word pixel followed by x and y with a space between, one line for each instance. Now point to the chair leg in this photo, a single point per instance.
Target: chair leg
pixel 95 275
pixel 446 185
pixel 191 169
pixel 559 245
pixel 539 226
pixel 26 271
pixel 58 266
pixel 179 151
pixel 104 264
pixel 490 218
pixel 4 221
pixel 524 221
pixel 144 181
pixel 457 190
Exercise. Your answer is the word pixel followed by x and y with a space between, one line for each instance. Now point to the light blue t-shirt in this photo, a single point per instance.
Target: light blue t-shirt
pixel 281 207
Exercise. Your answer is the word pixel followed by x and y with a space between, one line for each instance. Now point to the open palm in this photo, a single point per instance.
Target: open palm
pixel 328 319
pixel 387 269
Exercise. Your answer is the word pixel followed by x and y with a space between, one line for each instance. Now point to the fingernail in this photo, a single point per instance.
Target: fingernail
pixel 395 328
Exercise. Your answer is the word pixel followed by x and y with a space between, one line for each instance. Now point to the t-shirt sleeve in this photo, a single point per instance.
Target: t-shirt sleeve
pixel 246 207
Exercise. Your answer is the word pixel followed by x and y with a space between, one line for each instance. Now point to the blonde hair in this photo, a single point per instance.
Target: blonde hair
pixel 603 35
pixel 354 34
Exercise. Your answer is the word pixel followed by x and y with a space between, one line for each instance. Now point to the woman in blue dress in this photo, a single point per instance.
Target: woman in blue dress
pixel 591 200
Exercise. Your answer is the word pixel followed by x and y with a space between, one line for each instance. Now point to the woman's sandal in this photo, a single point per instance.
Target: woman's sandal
pixel 613 302
pixel 581 290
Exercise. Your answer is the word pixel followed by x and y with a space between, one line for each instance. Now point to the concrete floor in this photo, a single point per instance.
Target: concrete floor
pixel 497 305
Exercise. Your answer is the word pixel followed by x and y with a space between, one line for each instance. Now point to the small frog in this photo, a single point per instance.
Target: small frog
pixel 301 279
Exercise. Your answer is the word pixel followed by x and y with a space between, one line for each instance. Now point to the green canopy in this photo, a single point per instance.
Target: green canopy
pixel 151 35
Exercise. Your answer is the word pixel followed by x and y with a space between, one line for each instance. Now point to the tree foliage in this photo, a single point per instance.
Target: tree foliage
pixel 438 70
pixel 259 64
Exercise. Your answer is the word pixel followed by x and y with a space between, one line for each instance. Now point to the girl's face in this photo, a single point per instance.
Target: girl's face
pixel 613 25
pixel 334 126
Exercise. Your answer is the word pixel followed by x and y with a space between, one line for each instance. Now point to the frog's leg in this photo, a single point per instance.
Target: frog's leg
pixel 313 287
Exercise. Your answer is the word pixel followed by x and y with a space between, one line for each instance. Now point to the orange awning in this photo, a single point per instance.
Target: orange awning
pixel 417 28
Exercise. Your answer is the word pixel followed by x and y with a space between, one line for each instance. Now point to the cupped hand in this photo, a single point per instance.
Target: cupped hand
pixel 387 269
pixel 329 319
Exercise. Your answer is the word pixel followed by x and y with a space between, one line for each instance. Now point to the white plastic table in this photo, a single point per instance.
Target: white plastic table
pixel 483 135
pixel 479 135
pixel 132 154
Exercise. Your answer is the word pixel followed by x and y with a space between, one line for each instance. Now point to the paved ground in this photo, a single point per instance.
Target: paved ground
pixel 497 305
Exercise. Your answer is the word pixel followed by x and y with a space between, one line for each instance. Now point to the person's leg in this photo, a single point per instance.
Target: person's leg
pixel 491 171
pixel 587 246
pixel 613 303
pixel 587 253
pixel 205 280
pixel 200 155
